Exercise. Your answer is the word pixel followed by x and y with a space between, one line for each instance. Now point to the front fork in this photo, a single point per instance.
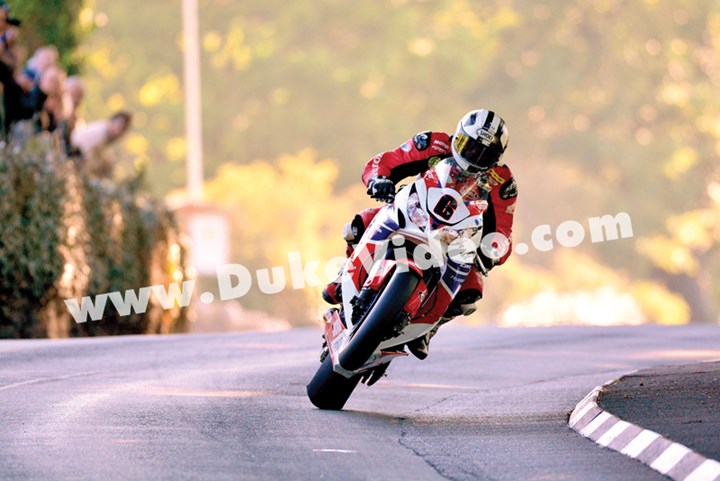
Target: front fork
pixel 372 262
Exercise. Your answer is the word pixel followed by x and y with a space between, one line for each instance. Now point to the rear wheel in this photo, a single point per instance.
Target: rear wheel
pixel 330 390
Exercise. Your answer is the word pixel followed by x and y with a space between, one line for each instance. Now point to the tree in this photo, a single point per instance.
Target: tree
pixel 612 107
pixel 62 23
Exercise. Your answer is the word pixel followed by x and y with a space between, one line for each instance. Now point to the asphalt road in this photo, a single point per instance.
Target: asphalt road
pixel 681 403
pixel 488 404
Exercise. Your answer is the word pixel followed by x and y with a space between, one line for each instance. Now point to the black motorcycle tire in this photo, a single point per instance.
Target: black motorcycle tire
pixel 330 390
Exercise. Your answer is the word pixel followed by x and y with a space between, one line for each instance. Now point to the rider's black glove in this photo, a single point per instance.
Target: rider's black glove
pixel 484 263
pixel 381 188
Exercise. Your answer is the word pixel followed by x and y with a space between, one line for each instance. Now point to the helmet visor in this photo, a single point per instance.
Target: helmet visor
pixel 476 153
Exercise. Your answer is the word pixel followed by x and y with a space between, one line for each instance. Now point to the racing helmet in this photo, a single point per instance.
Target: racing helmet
pixel 480 140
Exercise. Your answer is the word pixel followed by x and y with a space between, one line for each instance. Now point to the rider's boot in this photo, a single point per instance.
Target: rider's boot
pixel 332 293
pixel 420 347
pixel 374 375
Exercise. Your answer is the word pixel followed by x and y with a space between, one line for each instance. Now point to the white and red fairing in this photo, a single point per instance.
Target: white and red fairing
pixel 439 219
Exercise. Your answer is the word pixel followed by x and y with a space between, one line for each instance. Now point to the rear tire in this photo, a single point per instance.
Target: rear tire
pixel 330 390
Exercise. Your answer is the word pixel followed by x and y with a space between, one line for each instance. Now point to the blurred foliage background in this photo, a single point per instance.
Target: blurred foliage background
pixel 612 107
pixel 52 22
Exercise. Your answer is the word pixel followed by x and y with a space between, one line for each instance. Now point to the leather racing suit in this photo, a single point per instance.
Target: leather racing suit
pixel 414 157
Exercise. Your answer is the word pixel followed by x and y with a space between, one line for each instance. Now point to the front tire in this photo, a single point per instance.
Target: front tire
pixel 330 390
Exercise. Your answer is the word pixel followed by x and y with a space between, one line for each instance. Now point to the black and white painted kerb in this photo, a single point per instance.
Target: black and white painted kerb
pixel 663 455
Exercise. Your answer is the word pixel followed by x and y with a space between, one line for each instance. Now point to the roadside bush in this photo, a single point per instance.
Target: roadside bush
pixel 65 235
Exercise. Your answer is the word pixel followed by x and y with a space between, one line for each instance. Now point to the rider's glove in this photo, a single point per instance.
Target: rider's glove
pixel 381 188
pixel 483 263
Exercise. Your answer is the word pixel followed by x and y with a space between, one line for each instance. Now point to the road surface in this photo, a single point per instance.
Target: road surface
pixel 488 404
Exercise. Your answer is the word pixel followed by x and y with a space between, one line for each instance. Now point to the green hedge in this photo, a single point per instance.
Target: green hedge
pixel 65 235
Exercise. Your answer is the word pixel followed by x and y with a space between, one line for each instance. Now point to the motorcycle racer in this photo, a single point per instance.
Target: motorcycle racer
pixel 480 140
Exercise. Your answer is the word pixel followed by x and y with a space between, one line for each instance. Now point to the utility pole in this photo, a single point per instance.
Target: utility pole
pixel 207 226
pixel 193 111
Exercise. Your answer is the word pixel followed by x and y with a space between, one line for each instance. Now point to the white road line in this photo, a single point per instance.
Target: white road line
pixel 669 458
pixel 578 415
pixel 640 443
pixel 344 451
pixel 613 433
pixel 707 471
pixel 592 395
pixel 596 423
pixel 51 379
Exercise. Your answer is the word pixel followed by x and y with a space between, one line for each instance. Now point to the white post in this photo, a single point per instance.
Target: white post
pixel 193 112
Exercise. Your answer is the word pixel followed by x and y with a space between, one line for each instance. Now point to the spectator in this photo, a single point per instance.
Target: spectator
pixel 93 139
pixel 73 97
pixel 20 105
pixel 43 59
pixel 23 104
pixel 8 36
pixel 75 89
pixel 53 110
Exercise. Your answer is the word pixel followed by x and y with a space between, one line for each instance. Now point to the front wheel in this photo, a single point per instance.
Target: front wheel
pixel 330 390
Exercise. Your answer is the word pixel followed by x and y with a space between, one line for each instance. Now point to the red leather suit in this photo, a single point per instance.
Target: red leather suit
pixel 413 158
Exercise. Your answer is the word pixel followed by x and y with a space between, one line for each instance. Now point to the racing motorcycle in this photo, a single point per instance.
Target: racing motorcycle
pixel 401 278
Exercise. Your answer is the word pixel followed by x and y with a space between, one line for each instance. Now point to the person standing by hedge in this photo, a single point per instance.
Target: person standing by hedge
pixel 93 139
pixel 18 103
